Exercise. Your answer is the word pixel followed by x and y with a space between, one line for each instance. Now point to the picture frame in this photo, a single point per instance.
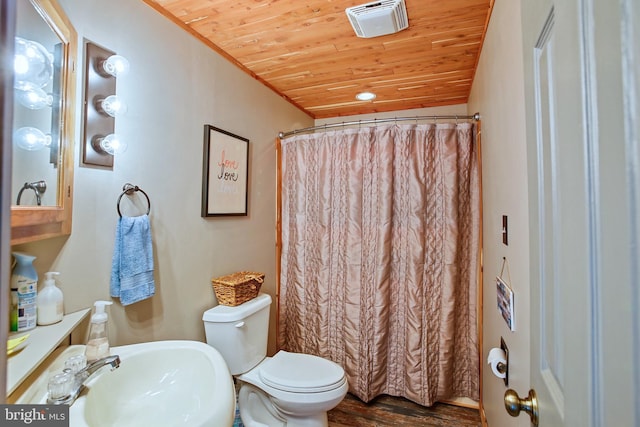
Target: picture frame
pixel 225 173
pixel 506 303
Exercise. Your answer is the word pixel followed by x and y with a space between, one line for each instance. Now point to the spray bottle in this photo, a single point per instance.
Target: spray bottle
pixel 24 293
pixel 98 341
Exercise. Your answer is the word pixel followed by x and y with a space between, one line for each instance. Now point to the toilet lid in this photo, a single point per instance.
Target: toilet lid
pixel 301 373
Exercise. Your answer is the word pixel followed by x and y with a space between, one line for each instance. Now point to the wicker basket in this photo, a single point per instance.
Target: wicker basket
pixel 236 288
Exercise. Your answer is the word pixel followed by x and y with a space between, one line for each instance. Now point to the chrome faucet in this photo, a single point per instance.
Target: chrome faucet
pixel 64 388
pixel 90 369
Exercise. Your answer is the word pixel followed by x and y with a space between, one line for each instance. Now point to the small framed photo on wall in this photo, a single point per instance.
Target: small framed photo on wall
pixel 225 173
pixel 506 303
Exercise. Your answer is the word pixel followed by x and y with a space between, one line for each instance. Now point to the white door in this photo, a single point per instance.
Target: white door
pixel 581 80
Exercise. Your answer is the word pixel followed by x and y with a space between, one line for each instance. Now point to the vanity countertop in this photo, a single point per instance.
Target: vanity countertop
pixel 42 341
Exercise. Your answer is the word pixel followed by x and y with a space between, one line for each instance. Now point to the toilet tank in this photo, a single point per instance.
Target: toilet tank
pixel 239 333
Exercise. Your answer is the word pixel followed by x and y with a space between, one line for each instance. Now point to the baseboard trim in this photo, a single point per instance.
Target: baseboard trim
pixel 483 417
pixel 464 402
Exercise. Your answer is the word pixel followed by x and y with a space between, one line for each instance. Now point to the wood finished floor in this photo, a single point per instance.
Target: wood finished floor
pixel 394 411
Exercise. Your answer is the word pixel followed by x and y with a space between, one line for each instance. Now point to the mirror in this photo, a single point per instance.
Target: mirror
pixel 36 111
pixel 43 125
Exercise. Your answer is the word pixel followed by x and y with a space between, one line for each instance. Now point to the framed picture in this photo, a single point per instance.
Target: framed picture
pixel 225 172
pixel 506 303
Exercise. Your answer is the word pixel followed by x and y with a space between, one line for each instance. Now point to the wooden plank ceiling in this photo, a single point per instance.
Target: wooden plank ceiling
pixel 307 51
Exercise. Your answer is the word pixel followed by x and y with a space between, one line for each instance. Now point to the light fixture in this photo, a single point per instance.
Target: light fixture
pixel 102 105
pixel 31 139
pixel 32 63
pixel 32 96
pixel 111 144
pixel 116 65
pixel 34 75
pixel 113 106
pixel 365 96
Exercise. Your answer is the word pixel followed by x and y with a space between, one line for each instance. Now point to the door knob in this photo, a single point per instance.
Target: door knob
pixel 514 404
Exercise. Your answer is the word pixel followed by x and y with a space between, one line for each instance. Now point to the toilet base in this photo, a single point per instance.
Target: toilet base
pixel 258 410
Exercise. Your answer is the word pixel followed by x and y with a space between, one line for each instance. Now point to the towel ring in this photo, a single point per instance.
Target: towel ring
pixel 129 189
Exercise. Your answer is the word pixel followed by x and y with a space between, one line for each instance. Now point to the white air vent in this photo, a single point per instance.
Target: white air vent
pixel 378 18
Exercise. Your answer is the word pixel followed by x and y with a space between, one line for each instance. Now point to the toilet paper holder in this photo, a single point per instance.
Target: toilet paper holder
pixel 498 358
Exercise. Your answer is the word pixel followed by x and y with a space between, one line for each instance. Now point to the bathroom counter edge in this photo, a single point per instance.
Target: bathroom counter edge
pixel 43 340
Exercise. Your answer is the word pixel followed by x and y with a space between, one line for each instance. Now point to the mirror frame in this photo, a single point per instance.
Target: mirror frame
pixel 29 223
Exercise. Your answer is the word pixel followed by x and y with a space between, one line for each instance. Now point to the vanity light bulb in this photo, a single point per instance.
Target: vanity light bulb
pixel 31 139
pixel 20 65
pixel 114 106
pixel 116 65
pixel 32 63
pixel 32 96
pixel 112 144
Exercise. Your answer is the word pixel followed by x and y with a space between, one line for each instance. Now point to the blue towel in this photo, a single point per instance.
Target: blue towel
pixel 132 265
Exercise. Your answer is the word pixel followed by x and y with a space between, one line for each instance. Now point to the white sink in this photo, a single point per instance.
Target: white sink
pixel 163 383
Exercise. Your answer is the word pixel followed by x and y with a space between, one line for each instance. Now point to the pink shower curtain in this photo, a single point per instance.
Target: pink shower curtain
pixel 379 261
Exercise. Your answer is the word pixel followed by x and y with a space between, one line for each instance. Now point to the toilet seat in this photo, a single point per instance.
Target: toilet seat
pixel 301 373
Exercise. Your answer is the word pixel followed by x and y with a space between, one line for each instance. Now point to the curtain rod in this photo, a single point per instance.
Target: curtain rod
pixel 475 117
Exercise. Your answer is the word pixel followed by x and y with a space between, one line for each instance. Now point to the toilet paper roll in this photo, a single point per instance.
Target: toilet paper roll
pixel 496 356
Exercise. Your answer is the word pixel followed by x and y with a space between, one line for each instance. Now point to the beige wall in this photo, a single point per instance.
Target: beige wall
pixel 498 93
pixel 175 86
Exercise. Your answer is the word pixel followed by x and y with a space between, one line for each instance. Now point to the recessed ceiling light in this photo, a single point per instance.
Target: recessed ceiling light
pixel 366 96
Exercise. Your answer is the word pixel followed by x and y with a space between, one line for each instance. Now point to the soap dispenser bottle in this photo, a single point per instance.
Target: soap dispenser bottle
pixel 50 301
pixel 98 342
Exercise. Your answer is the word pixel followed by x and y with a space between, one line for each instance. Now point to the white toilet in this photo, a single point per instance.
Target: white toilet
pixel 288 389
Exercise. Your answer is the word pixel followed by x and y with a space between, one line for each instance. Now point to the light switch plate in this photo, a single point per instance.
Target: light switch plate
pixel 505 230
